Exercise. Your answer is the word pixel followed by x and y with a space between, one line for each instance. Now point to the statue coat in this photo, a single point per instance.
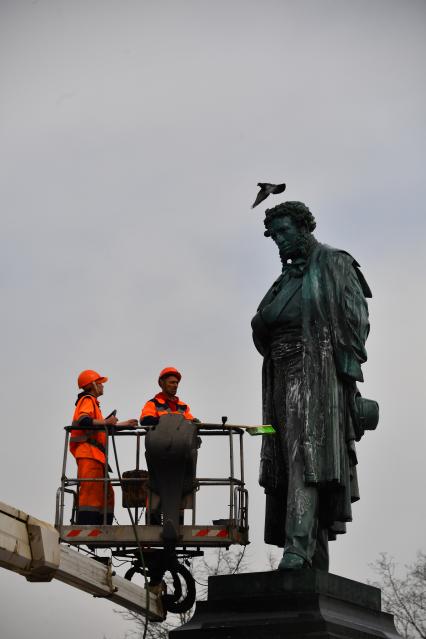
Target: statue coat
pixel 335 327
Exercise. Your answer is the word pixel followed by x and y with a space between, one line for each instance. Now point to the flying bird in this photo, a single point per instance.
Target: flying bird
pixel 265 190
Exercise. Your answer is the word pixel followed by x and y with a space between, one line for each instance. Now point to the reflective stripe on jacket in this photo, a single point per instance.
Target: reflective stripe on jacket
pixel 162 405
pixel 87 443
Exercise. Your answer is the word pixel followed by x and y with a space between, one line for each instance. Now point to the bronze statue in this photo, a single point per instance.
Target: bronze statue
pixel 311 329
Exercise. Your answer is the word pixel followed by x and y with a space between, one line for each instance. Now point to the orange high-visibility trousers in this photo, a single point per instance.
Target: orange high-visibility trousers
pixel 91 498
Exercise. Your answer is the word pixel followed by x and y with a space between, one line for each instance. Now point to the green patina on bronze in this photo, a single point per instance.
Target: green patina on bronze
pixel 311 329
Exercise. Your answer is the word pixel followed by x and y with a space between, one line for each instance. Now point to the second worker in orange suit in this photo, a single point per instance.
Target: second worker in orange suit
pixel 167 401
pixel 88 447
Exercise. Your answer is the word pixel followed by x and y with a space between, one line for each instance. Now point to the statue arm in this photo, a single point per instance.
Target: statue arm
pixel 356 313
pixel 348 315
pixel 260 333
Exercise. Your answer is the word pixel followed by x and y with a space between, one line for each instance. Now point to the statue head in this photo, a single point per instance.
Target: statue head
pixel 290 225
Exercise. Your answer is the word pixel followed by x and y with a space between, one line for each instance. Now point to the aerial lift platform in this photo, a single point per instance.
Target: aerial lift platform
pixel 156 541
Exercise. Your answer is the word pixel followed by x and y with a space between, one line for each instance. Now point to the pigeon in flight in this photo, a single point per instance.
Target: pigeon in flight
pixel 265 190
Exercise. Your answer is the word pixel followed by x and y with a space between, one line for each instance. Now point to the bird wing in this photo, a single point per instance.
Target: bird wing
pixel 262 195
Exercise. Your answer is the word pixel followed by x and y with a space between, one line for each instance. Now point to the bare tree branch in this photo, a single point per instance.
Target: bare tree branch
pixel 404 597
pixel 273 558
pixel 217 562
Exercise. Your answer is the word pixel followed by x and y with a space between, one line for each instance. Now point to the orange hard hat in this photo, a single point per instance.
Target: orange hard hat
pixel 169 370
pixel 87 377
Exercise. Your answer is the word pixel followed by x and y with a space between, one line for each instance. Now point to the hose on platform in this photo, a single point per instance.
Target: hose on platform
pixel 135 532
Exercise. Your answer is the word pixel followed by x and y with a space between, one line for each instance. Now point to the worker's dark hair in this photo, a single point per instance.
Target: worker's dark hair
pixel 298 212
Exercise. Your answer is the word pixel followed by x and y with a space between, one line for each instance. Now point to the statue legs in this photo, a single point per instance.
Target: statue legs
pixel 302 514
pixel 306 540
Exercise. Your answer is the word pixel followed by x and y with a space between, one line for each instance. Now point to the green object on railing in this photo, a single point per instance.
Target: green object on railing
pixel 267 429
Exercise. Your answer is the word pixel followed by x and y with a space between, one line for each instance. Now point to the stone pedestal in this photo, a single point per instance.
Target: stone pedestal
pixel 288 605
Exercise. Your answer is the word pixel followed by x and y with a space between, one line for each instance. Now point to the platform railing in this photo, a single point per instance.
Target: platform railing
pixel 238 496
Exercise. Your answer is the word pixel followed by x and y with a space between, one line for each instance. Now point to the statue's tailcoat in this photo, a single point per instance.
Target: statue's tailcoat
pixel 334 330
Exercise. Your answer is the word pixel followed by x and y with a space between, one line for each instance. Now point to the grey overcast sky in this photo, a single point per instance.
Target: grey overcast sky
pixel 132 136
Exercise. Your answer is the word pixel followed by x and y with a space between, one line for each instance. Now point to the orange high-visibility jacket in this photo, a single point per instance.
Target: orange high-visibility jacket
pixel 162 405
pixel 87 443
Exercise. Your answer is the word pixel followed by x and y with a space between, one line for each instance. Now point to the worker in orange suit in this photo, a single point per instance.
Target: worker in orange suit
pixel 166 402
pixel 88 447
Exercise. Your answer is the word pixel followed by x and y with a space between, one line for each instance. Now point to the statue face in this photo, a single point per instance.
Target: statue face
pixel 287 236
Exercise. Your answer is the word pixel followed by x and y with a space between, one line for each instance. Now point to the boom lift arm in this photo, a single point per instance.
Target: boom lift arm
pixel 31 548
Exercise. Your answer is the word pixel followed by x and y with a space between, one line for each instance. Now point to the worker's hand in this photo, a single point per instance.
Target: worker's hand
pixel 129 423
pixel 111 420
